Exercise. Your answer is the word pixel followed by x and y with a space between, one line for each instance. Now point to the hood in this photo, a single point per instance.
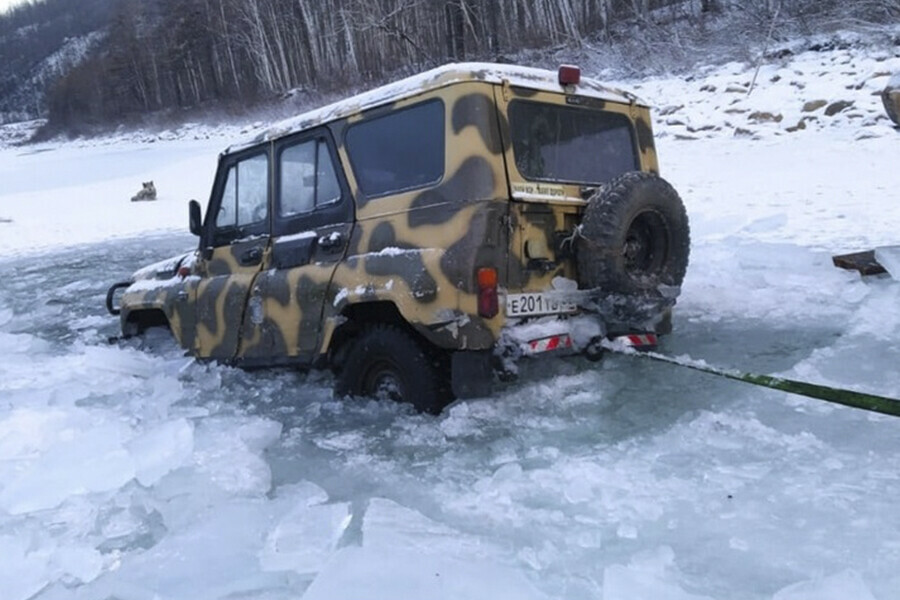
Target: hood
pixel 165 269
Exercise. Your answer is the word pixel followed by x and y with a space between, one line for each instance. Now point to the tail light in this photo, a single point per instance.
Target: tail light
pixel 569 75
pixel 488 304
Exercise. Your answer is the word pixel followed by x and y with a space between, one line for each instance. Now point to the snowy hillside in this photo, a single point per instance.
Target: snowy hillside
pixel 41 42
pixel 31 93
pixel 132 472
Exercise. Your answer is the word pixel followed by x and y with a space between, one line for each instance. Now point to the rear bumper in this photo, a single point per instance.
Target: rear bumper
pixel 638 341
pixel 472 371
pixel 567 335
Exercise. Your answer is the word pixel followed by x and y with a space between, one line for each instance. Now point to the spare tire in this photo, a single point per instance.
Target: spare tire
pixel 635 242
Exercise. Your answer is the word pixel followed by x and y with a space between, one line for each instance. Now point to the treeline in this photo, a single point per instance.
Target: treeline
pixel 159 55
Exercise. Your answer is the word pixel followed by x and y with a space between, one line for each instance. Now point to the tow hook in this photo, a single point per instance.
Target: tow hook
pixel 113 310
pixel 594 350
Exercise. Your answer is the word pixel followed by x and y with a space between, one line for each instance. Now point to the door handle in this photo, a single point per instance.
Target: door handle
pixel 331 241
pixel 251 256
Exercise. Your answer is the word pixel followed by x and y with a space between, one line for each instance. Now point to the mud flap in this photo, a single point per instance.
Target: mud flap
pixel 471 373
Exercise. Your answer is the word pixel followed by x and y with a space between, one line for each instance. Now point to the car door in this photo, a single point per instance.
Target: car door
pixel 311 222
pixel 235 249
pixel 559 148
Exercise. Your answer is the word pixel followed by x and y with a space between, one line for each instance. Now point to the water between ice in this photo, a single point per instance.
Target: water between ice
pixel 129 471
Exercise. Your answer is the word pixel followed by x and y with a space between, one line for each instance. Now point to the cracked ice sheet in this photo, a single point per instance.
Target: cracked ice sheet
pixel 90 477
pixel 406 555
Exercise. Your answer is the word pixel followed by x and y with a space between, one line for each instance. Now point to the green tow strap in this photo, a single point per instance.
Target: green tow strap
pixel 870 402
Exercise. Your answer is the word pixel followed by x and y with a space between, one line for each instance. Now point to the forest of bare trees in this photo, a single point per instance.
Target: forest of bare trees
pixel 176 53
pixel 164 54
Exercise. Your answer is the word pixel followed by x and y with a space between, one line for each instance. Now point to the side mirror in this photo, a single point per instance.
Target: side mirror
pixel 195 219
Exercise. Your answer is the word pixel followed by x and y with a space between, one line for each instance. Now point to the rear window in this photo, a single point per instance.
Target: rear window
pixel 566 144
pixel 400 151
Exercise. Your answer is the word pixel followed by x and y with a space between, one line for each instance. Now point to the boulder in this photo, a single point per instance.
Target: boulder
pixel 836 107
pixel 765 117
pixel 814 105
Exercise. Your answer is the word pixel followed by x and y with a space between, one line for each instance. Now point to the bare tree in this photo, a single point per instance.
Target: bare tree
pixel 159 54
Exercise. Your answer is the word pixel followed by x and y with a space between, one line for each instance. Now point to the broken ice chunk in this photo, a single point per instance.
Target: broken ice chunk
pixel 889 258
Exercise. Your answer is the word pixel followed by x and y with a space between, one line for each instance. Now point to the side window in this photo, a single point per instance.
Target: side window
pixel 245 195
pixel 308 180
pixel 400 151
pixel 227 216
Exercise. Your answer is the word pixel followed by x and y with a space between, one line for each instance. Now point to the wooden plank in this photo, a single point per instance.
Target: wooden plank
pixel 864 262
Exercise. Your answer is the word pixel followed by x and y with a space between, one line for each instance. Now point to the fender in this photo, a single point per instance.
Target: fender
pixel 426 272
pixel 166 297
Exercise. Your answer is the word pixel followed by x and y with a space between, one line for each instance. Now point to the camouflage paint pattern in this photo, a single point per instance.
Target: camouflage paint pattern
pixel 417 250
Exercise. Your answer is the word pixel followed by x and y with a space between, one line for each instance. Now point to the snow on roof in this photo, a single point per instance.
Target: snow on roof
pixel 528 77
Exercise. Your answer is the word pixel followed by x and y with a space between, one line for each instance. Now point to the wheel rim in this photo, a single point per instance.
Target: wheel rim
pixel 646 244
pixel 382 381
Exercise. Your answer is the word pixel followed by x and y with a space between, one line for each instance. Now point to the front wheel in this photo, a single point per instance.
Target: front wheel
pixel 387 363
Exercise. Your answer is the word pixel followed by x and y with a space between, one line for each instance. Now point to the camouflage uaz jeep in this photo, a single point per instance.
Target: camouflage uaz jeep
pixel 891 98
pixel 423 236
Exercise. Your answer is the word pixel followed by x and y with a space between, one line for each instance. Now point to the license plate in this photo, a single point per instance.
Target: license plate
pixel 536 303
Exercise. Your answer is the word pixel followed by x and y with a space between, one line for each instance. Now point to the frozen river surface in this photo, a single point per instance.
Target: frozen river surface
pixel 128 471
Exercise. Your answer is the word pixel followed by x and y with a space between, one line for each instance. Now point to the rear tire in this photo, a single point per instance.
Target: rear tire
pixel 387 363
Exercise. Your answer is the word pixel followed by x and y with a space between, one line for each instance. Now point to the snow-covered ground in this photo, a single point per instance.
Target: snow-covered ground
pixel 133 473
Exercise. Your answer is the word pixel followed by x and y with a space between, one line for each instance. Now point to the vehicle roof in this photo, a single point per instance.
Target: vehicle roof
pixel 527 77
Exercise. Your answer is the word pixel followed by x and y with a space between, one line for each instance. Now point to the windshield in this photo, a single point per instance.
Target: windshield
pixel 567 144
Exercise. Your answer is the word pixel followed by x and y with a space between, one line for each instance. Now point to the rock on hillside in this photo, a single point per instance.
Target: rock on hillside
pixel 815 90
